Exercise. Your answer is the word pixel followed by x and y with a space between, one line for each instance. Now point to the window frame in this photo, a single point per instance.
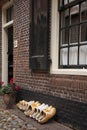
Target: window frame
pixel 70 45
pixel 54 45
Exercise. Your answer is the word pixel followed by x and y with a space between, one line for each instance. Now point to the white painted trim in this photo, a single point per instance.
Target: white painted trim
pixel 54 34
pixel 4 57
pixel 54 69
pixel 5 41
pixel 8 24
pixel 70 71
pixel 7 5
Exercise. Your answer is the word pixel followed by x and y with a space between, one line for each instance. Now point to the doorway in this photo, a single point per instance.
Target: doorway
pixel 10 52
pixel 7 41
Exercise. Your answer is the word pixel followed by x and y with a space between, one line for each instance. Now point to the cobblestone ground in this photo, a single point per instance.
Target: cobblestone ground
pixel 10 121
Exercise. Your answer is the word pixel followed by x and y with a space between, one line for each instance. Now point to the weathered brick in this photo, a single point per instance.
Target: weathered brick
pixel 66 86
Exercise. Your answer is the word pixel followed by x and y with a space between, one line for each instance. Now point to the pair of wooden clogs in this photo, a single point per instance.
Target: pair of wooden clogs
pixel 41 112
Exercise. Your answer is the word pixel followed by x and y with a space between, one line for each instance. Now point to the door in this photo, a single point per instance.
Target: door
pixel 7 41
pixel 10 52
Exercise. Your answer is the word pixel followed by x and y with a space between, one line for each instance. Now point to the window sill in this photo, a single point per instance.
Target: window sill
pixel 70 71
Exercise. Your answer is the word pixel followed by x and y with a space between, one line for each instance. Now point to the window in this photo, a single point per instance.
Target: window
pixel 73 34
pixel 39 37
pixel 9 14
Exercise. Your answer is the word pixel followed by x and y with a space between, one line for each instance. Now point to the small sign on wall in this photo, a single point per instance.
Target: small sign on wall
pixel 15 43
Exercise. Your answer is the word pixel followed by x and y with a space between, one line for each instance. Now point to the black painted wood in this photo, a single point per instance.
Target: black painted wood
pixel 40 35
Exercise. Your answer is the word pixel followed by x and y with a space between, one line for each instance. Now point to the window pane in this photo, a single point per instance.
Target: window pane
pixel 9 14
pixel 63 2
pixel 65 18
pixel 64 36
pixel 73 54
pixel 71 1
pixel 83 28
pixel 64 56
pixel 84 11
pixel 83 55
pixel 74 14
pixel 74 34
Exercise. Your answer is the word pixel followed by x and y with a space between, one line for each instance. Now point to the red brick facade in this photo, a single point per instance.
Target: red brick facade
pixel 68 91
pixel 0 43
pixel 68 87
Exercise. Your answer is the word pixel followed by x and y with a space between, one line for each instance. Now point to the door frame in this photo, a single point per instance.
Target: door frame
pixel 5 42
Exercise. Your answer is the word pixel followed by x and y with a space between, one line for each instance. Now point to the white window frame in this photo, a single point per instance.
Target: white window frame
pixel 54 69
pixel 4 41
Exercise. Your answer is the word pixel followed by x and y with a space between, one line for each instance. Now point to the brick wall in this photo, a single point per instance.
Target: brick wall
pixel 69 87
pixel 72 88
pixel 0 41
pixel 21 23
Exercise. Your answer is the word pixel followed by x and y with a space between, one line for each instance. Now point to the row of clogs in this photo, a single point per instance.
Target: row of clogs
pixel 41 112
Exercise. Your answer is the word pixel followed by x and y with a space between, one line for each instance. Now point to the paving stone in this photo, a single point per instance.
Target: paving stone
pixel 11 121
pixel 14 119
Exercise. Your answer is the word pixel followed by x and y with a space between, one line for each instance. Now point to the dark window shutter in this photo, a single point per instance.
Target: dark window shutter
pixel 40 35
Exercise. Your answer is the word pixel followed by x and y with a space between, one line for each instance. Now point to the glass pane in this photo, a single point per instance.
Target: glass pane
pixel 73 54
pixel 9 14
pixel 64 56
pixel 83 34
pixel 65 2
pixel 60 3
pixel 84 11
pixel 71 1
pixel 64 36
pixel 74 34
pixel 74 14
pixel 65 18
pixel 83 55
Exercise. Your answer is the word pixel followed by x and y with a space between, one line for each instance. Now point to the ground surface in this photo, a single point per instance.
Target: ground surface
pixel 14 119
